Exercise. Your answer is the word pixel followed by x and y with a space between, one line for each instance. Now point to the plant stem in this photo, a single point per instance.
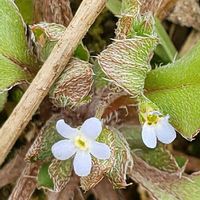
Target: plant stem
pixel 26 183
pixel 52 68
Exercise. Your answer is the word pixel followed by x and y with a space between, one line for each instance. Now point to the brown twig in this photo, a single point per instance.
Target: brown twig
pixel 12 170
pixel 26 183
pixel 52 68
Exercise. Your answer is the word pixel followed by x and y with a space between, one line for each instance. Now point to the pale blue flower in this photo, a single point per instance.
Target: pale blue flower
pixel 157 127
pixel 81 144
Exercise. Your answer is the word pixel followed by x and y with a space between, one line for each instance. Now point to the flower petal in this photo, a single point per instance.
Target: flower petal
pixel 165 132
pixel 149 136
pixel 63 149
pixel 91 128
pixel 65 130
pixel 100 150
pixel 82 163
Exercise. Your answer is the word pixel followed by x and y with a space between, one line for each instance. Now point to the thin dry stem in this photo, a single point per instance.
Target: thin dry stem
pixel 52 68
pixel 12 170
pixel 26 183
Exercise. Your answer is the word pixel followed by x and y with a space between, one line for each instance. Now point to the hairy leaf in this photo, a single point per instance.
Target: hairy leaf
pixel 130 7
pixel 41 148
pixel 164 185
pixel 138 21
pixel 10 73
pixel 126 62
pixel 175 89
pixel 47 35
pixel 122 161
pixel 73 85
pixel 99 167
pixel 60 172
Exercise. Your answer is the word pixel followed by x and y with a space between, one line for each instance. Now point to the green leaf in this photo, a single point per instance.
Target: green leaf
pixel 46 50
pixel 10 73
pixel 126 62
pixel 181 161
pixel 47 35
pixel 175 89
pixel 100 79
pixel 160 158
pixel 163 185
pixel 82 52
pixel 26 8
pixel 114 6
pixel 3 98
pixel 16 95
pixel 16 62
pixel 143 26
pixel 43 179
pixel 122 161
pixel 165 50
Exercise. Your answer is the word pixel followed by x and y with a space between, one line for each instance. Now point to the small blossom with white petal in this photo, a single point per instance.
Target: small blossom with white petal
pixel 158 127
pixel 81 144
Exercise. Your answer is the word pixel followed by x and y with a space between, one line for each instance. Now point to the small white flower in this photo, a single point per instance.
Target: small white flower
pixel 80 143
pixel 157 127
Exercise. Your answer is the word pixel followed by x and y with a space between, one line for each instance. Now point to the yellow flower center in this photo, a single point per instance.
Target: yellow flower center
pixel 152 119
pixel 81 143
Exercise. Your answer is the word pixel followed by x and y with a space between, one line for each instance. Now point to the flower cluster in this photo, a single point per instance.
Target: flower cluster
pixel 158 127
pixel 80 144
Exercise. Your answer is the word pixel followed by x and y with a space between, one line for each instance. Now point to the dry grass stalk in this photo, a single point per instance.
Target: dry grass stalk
pixel 52 68
pixel 26 183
